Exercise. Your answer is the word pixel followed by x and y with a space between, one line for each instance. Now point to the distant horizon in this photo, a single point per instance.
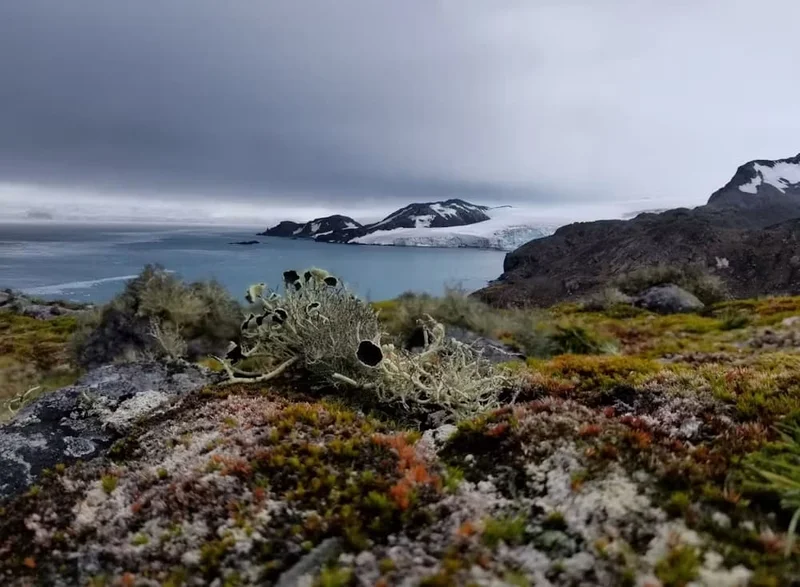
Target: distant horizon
pixel 237 214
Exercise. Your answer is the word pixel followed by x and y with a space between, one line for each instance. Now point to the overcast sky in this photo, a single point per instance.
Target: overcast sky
pixel 299 107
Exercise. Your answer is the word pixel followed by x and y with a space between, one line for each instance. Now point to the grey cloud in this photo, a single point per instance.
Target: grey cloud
pixel 520 102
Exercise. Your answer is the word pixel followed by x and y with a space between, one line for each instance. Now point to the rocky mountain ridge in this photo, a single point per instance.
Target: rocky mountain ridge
pixel 748 234
pixel 343 229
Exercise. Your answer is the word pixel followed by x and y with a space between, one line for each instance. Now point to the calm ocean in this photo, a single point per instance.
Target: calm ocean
pixel 92 263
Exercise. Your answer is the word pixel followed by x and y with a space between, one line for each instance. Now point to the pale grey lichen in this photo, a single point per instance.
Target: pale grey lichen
pixel 317 325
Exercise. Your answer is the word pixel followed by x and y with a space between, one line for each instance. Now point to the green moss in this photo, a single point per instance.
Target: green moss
pixel 386 565
pixel 178 576
pixel 140 540
pixel 510 530
pixel 33 354
pixel 453 477
pixel 516 579
pixel 679 502
pixel 212 553
pixel 109 483
pixel 679 567
pixel 335 576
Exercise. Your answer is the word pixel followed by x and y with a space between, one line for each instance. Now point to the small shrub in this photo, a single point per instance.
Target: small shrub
pixel 158 314
pixel 605 299
pixel 576 340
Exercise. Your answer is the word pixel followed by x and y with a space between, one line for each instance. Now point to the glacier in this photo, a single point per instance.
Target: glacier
pixel 507 229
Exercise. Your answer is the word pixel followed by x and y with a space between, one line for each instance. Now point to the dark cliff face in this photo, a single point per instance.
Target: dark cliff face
pixel 750 239
pixel 287 228
pixel 328 224
pixel 314 228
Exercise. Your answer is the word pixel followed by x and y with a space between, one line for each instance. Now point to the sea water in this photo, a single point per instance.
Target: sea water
pixel 93 262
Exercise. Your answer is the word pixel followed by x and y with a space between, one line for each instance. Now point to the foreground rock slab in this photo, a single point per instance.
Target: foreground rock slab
pixel 83 420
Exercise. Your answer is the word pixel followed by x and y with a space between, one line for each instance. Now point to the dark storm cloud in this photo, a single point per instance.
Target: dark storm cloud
pixel 420 99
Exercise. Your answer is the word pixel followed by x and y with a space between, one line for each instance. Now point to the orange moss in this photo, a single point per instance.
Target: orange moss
pixel 412 469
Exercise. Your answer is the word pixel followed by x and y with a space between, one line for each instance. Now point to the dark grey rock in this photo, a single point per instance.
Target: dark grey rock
pixel 5 297
pixel 83 420
pixel 668 299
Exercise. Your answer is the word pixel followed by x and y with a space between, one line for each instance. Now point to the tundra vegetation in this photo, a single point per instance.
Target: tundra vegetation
pixel 628 448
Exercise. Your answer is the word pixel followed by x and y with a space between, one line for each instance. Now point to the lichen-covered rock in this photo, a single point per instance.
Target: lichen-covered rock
pixel 668 299
pixel 81 421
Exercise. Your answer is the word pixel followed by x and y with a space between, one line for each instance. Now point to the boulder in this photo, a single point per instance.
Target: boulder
pixel 668 299
pixel 83 420
pixel 5 297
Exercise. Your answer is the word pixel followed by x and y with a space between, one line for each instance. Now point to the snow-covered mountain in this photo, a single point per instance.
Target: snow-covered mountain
pixel 314 228
pixel 761 180
pixel 451 223
pixel 433 215
pixel 505 229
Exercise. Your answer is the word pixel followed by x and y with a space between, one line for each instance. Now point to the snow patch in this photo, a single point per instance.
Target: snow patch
pixel 422 221
pixel 780 175
pixel 314 227
pixel 444 211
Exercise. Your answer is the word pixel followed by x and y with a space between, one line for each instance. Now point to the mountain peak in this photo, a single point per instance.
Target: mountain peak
pixel 760 178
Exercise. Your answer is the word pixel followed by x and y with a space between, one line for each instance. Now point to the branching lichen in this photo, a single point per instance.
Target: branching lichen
pixel 317 325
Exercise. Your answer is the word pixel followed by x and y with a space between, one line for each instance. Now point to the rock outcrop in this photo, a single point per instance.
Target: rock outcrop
pixel 83 420
pixel 42 310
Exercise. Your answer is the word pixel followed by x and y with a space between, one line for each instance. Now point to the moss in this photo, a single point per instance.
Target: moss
pixel 386 565
pixel 516 579
pixel 335 576
pixel 33 354
pixel 679 503
pixel 109 483
pixel 453 477
pixel 140 540
pixel 679 567
pixel 510 530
